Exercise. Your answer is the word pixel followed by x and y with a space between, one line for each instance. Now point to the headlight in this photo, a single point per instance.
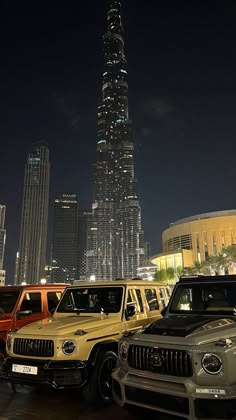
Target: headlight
pixel 123 351
pixel 8 342
pixel 212 363
pixel 68 347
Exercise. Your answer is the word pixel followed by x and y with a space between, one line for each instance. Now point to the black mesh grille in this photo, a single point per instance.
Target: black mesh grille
pixel 38 348
pixel 164 361
pixel 158 400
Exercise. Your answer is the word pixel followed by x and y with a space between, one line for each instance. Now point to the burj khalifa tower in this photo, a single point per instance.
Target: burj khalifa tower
pixel 115 244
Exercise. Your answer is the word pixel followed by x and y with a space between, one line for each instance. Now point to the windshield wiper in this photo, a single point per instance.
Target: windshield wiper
pixel 78 310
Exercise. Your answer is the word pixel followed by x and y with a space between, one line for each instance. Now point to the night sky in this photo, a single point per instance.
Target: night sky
pixel 182 89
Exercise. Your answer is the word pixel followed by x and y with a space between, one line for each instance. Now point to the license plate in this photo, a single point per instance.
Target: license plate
pixel 210 391
pixel 28 370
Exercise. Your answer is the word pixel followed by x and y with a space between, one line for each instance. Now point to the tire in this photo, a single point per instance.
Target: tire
pixel 11 386
pixel 2 355
pixel 99 388
pixel 19 388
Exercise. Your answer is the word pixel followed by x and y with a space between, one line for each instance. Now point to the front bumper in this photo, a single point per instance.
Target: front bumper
pixel 58 374
pixel 172 397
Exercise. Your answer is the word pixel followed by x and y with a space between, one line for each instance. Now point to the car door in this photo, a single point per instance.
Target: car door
pixel 153 307
pixel 163 297
pixel 53 298
pixel 134 298
pixel 30 308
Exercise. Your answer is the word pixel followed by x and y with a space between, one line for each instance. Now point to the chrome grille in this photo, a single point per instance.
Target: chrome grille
pixel 164 361
pixel 37 348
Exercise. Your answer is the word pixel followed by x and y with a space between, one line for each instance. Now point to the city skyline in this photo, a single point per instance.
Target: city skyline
pixel 181 66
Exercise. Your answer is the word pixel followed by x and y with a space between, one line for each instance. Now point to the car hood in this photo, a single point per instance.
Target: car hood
pixel 59 326
pixel 189 330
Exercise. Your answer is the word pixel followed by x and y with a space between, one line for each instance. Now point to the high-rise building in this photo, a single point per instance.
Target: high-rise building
pixel 82 245
pixel 34 217
pixel 2 243
pixel 16 268
pixel 115 237
pixel 65 238
pixel 2 234
pixel 147 251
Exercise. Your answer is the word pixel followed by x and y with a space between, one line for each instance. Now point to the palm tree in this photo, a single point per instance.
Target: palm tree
pixel 179 271
pixel 160 275
pixel 197 268
pixel 229 253
pixel 170 274
pixel 216 264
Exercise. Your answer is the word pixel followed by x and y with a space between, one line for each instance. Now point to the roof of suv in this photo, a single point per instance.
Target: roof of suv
pixel 119 282
pixel 212 279
pixel 33 286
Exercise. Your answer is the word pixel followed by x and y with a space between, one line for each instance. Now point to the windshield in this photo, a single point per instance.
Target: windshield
pixel 8 301
pixel 219 299
pixel 92 300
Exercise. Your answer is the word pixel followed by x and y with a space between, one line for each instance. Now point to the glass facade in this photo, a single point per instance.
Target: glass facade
pixel 2 234
pixel 115 245
pixel 82 243
pixel 65 238
pixel 34 218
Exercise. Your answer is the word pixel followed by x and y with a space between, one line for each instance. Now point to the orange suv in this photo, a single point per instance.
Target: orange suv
pixel 21 305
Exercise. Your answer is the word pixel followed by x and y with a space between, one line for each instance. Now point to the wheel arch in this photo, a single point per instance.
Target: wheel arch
pixel 2 346
pixel 107 345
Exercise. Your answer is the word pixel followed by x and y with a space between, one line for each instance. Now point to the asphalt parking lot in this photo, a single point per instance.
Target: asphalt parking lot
pixel 32 404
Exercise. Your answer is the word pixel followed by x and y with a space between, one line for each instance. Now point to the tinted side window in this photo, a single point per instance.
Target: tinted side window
pixel 53 299
pixel 7 301
pixel 152 301
pixel 134 296
pixel 163 297
pixel 32 301
pixel 138 293
pixel 168 292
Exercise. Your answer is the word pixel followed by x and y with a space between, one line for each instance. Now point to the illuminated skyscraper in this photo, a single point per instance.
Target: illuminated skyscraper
pixel 2 234
pixel 84 216
pixel 65 238
pixel 115 237
pixel 2 243
pixel 34 217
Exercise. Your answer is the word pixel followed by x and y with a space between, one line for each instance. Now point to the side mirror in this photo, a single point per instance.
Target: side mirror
pixel 20 314
pixel 163 311
pixel 52 310
pixel 130 310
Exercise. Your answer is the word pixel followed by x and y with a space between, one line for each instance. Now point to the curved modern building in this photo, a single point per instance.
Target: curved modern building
pixel 195 238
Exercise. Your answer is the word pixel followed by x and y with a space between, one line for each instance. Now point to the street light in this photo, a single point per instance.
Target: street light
pixel 43 281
